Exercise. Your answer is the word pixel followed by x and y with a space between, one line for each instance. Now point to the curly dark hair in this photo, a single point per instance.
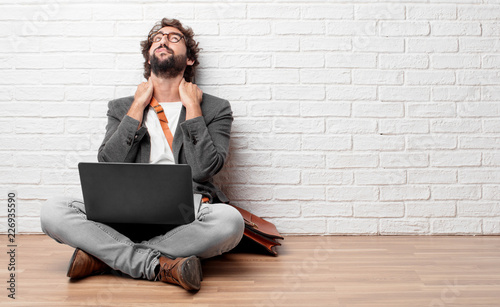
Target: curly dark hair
pixel 191 46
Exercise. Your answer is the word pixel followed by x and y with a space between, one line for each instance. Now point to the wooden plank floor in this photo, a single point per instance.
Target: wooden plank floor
pixel 310 271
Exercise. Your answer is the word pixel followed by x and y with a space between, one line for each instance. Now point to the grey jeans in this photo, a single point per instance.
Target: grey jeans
pixel 217 229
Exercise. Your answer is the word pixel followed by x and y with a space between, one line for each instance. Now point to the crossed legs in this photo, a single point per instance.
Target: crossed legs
pixel 217 229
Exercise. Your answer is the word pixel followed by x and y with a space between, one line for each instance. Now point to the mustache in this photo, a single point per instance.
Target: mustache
pixel 166 47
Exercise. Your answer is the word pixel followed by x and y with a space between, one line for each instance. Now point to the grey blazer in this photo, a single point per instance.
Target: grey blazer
pixel 201 142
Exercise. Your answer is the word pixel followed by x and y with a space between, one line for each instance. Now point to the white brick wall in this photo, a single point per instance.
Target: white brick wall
pixel 350 117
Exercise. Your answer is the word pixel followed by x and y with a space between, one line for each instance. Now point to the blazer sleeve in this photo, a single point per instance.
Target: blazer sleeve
pixel 121 141
pixel 207 143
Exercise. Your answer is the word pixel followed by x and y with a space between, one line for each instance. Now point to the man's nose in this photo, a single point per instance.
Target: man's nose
pixel 164 40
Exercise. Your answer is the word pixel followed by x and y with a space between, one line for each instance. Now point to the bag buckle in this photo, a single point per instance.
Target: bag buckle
pixel 251 224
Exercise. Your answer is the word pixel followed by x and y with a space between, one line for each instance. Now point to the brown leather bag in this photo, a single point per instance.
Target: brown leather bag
pixel 260 231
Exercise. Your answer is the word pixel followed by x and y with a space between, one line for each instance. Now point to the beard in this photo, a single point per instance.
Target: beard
pixel 170 67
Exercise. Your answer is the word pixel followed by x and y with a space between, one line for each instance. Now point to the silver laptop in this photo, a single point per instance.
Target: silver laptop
pixel 137 193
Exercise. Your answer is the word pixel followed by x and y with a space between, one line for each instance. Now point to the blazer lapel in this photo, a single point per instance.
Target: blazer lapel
pixel 177 144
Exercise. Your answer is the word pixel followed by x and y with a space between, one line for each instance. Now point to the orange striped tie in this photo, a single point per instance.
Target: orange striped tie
pixel 163 121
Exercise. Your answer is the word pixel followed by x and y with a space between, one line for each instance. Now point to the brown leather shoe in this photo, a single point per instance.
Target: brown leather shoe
pixel 83 265
pixel 185 272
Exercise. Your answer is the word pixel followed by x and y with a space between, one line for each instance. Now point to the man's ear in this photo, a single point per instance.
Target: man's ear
pixel 189 62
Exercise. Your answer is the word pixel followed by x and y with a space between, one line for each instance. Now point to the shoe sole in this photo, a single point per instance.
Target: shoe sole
pixel 201 271
pixel 191 271
pixel 71 263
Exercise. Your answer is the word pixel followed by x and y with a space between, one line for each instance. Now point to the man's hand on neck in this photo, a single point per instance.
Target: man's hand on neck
pixel 166 90
pixel 191 96
pixel 142 97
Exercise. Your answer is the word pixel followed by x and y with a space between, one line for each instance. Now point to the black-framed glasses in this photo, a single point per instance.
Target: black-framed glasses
pixel 172 37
